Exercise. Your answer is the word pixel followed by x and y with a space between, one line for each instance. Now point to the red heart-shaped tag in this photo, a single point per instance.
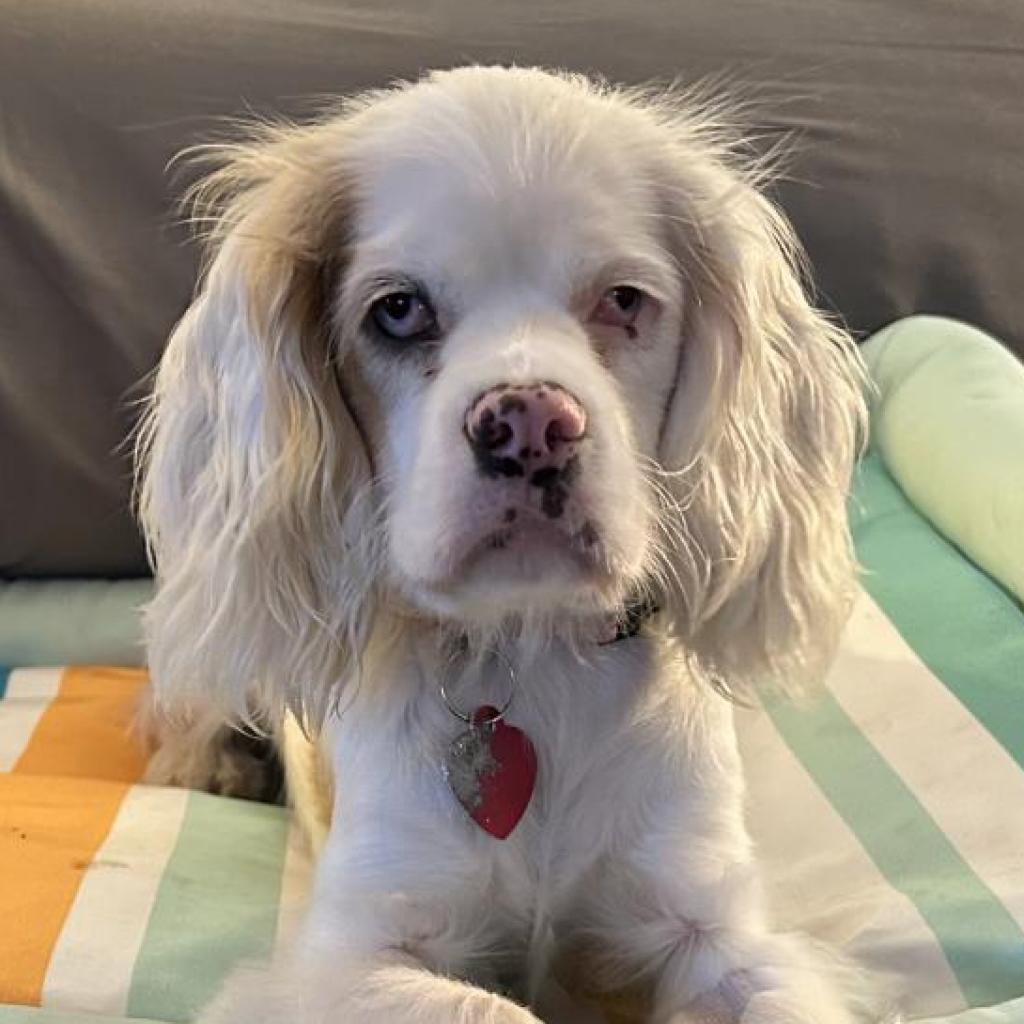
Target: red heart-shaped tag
pixel 492 769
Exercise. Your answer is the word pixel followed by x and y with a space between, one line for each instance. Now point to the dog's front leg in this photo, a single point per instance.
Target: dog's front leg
pixel 681 904
pixel 721 974
pixel 389 988
pixel 392 930
pixel 702 939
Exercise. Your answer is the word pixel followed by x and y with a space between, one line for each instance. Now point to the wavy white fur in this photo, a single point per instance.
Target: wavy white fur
pixel 319 528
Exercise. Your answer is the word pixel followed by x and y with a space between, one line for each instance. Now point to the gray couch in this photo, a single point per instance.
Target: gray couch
pixel 907 184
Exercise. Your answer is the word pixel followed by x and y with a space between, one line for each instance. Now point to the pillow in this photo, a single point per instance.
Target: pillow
pixel 948 420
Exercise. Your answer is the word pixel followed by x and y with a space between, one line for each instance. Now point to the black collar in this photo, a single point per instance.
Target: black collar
pixel 632 620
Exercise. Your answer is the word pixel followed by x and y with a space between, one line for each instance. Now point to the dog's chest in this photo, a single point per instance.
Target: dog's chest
pixel 590 771
pixel 587 726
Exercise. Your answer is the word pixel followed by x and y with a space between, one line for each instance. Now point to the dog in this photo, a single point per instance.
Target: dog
pixel 503 449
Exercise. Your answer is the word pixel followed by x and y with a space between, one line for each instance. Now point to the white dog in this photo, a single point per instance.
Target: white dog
pixel 502 442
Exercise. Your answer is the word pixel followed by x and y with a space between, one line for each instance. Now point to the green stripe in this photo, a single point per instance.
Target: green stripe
pixel 217 904
pixel 981 941
pixel 960 623
pixel 34 1015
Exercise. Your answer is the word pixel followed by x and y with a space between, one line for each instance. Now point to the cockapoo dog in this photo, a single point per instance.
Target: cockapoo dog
pixel 501 446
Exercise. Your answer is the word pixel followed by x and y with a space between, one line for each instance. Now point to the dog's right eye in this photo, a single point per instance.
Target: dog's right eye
pixel 405 316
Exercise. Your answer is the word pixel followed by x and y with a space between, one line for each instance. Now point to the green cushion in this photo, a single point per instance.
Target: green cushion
pixel 948 420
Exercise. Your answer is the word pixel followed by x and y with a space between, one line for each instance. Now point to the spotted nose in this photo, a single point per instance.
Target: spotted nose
pixel 525 429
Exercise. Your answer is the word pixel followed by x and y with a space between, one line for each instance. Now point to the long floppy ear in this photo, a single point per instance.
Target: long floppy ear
pixel 759 440
pixel 250 464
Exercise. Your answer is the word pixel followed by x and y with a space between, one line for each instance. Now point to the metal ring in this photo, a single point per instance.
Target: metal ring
pixel 499 714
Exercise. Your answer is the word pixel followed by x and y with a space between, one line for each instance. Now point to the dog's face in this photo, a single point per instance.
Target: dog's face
pixel 514 312
pixel 500 346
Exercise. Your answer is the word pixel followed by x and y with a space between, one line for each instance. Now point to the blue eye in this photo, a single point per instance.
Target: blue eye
pixel 405 316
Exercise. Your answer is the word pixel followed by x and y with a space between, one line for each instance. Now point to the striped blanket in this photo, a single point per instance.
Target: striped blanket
pixel 889 814
pixel 120 899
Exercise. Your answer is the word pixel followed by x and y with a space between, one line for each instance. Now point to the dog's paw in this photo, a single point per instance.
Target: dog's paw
pixel 321 993
pixel 230 763
pixel 783 1007
pixel 488 1008
pixel 769 1007
pixel 212 757
pixel 510 1013
pixel 707 1009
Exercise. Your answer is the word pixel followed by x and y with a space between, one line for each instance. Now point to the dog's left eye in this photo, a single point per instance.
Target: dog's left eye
pixel 619 306
pixel 405 316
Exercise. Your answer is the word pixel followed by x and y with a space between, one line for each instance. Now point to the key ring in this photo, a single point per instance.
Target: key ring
pixel 498 714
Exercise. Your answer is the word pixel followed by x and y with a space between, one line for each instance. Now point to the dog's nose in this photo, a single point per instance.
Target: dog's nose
pixel 518 429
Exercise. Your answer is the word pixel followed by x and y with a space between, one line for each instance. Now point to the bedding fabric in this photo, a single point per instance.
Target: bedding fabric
pixel 120 898
pixel 889 813
pixel 50 622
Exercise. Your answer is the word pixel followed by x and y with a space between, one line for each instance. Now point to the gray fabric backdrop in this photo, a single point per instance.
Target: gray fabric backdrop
pixel 907 188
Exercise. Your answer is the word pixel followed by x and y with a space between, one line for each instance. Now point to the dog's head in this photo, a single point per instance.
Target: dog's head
pixel 497 347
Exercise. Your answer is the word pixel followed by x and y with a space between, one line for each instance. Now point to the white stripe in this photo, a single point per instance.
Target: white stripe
pixel 296 884
pixel 820 880
pixel 963 778
pixel 91 967
pixel 1010 1012
pixel 29 693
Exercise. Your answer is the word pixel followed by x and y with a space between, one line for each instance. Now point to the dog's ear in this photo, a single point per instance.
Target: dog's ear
pixel 759 440
pixel 250 463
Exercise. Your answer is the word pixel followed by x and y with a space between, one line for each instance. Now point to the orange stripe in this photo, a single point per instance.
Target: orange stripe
pixel 84 733
pixel 50 830
pixel 51 827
